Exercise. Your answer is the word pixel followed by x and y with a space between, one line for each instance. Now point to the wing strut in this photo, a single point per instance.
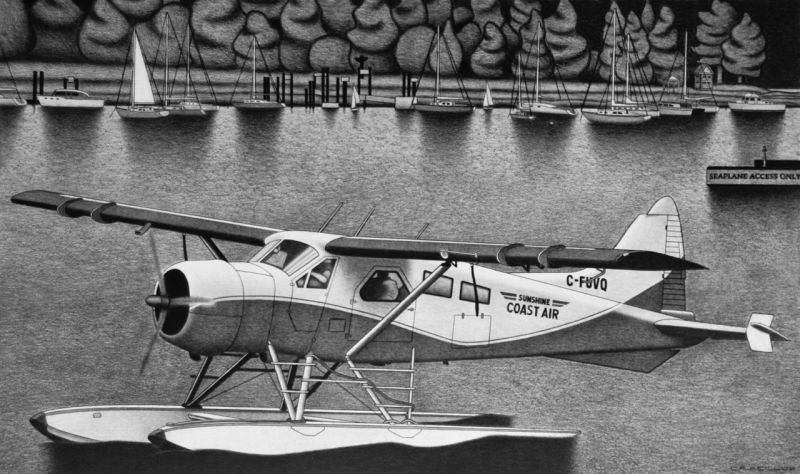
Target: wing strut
pixel 384 323
pixel 397 310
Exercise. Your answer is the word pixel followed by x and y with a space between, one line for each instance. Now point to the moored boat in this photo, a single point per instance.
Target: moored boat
pixel 441 104
pixel 71 99
pixel 9 97
pixel 253 102
pixel 628 112
pixel 142 102
pixel 751 102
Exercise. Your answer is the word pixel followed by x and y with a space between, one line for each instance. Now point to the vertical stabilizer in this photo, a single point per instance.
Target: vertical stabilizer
pixel 660 231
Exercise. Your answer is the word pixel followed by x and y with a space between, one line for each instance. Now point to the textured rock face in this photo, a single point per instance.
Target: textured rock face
pixel 412 48
pixel 266 44
pixel 330 52
pixel 216 24
pixel 375 30
pixel 395 35
pixel 489 59
pixel 337 16
pixel 56 24
pixel 105 35
pixel 16 36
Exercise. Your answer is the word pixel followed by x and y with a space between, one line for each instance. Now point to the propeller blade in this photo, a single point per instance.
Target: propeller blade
pixel 163 298
pixel 147 353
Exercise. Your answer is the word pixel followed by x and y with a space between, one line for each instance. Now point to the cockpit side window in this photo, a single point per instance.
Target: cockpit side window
pixel 320 275
pixel 289 255
pixel 384 285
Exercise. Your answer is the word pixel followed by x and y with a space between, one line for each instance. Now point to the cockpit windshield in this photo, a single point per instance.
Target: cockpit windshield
pixel 289 255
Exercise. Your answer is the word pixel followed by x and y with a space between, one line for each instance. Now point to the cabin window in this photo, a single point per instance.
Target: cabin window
pixel 441 287
pixel 384 285
pixel 468 292
pixel 301 282
pixel 320 276
pixel 289 255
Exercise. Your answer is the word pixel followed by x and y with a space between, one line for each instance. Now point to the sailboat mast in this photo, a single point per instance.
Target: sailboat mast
pixel 166 62
pixel 519 79
pixel 188 60
pixel 134 43
pixel 627 67
pixel 538 42
pixel 685 52
pixel 438 54
pixel 253 86
pixel 614 64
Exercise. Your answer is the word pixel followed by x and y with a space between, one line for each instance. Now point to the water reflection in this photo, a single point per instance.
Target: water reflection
pixel 488 455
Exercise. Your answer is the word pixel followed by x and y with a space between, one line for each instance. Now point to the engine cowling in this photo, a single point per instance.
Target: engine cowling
pixel 213 306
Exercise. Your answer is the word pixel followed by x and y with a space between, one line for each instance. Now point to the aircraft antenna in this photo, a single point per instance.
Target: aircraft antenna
pixel 364 222
pixel 331 216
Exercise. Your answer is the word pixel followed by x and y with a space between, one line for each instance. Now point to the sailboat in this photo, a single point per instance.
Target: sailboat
pixel 520 110
pixel 543 108
pixel 626 113
pixel 10 96
pixel 355 100
pixel 442 104
pixel 488 103
pixel 683 107
pixel 142 104
pixel 188 105
pixel 253 102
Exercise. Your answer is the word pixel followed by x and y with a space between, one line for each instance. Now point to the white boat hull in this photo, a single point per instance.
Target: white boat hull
pixel 553 110
pixel 280 438
pixel 519 114
pixel 756 108
pixel 608 118
pixel 706 109
pixel 133 423
pixel 61 102
pixel 444 109
pixel 142 112
pixel 675 111
pixel 12 102
pixel 257 104
pixel 404 103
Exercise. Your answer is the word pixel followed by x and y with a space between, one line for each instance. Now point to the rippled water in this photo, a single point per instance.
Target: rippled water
pixel 74 326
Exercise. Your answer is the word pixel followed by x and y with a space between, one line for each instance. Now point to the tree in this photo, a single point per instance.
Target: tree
pixel 531 33
pixel 568 48
pixel 714 30
pixel 614 26
pixel 490 57
pixel 664 55
pixel 648 17
pixel 641 71
pixel 743 52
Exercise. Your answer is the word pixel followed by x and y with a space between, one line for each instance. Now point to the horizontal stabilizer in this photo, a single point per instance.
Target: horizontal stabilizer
pixel 106 212
pixel 758 332
pixel 518 255
pixel 637 361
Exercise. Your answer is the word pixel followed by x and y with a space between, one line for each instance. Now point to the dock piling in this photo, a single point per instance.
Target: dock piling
pixel 41 82
pixel 34 88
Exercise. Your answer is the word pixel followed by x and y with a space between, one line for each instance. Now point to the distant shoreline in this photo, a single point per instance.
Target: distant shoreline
pixel 104 81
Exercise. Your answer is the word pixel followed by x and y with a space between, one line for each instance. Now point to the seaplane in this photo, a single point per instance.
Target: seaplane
pixel 313 308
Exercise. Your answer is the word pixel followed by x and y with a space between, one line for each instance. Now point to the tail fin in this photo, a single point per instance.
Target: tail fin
pixel 660 231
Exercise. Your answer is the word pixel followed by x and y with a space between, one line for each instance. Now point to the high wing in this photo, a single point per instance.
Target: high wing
pixel 107 212
pixel 554 256
pixel 515 255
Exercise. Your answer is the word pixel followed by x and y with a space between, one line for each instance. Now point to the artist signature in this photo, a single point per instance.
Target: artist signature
pixel 762 468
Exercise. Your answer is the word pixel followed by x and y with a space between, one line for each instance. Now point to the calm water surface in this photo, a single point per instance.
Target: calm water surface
pixel 74 325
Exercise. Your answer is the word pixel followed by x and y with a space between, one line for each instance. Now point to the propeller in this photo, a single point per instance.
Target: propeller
pixel 158 301
pixel 162 302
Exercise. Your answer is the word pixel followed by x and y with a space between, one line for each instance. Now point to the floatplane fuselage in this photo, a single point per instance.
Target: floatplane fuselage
pixel 317 301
